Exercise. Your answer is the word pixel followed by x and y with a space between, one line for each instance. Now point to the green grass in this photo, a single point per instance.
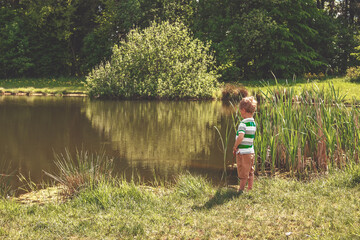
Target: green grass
pixel 76 85
pixel 43 85
pixel 345 86
pixel 108 207
pixel 324 208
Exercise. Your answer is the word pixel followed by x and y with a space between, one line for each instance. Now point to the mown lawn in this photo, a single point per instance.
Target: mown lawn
pixel 43 85
pixel 324 208
pixel 345 87
pixel 76 85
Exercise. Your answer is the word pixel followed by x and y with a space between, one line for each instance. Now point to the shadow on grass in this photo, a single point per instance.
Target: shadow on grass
pixel 221 196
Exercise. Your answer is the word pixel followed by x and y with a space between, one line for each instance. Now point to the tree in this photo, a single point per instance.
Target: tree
pixel 346 14
pixel 58 29
pixel 15 57
pixel 116 18
pixel 113 22
pixel 249 38
pixel 252 38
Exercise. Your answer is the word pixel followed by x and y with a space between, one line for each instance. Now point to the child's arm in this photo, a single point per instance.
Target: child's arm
pixel 238 140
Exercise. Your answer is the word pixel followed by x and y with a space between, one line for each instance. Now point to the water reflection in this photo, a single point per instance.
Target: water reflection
pixel 172 134
pixel 141 135
pixel 33 128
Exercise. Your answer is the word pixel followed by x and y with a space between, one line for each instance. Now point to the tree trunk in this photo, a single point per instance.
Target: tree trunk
pixel 352 5
pixel 322 4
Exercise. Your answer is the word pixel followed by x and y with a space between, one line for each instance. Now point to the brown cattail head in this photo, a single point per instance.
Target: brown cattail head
pixel 249 104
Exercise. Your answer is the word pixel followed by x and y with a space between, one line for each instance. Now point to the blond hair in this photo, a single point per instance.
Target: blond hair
pixel 249 104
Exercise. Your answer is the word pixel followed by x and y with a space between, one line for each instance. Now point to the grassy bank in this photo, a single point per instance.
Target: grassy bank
pixel 192 208
pixel 346 87
pixel 43 86
pixel 76 85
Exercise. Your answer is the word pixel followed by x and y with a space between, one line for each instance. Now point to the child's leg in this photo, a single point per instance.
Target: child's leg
pixel 251 173
pixel 251 178
pixel 239 172
pixel 243 169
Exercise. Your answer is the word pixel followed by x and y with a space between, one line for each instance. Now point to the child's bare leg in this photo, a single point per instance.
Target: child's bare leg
pixel 240 173
pixel 251 179
pixel 238 163
pixel 242 184
pixel 251 173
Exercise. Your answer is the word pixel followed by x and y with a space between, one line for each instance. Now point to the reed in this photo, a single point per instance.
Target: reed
pixel 305 132
pixel 224 140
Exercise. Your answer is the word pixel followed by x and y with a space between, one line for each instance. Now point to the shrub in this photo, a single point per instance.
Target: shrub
pixel 353 73
pixel 233 92
pixel 161 61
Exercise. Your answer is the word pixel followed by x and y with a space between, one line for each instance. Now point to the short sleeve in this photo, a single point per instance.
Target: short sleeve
pixel 241 128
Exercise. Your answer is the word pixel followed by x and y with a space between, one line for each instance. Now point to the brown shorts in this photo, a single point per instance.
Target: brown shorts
pixel 245 165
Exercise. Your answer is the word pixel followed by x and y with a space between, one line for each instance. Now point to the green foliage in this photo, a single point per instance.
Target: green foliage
pixel 356 52
pixel 253 38
pixel 161 61
pixel 15 57
pixel 249 38
pixel 113 22
pixel 353 73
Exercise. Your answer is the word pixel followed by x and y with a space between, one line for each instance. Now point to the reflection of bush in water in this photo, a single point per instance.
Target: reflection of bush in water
pixel 157 132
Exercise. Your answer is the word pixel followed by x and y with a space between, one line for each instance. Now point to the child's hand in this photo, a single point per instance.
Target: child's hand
pixel 234 151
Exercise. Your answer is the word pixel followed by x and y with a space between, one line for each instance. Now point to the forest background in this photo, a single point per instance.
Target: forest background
pixel 52 38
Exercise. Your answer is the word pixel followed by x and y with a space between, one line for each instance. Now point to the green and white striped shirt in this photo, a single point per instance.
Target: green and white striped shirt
pixel 248 127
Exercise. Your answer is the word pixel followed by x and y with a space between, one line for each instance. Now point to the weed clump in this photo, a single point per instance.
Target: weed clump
pixel 83 170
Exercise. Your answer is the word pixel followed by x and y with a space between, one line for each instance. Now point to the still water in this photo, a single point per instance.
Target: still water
pixel 144 137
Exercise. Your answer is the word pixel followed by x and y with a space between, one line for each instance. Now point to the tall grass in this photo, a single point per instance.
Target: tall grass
pixel 84 170
pixel 191 186
pixel 305 132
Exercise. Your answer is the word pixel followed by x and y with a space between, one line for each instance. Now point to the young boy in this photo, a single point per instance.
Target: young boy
pixel 244 143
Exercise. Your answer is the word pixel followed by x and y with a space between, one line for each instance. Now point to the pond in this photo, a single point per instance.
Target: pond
pixel 145 138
